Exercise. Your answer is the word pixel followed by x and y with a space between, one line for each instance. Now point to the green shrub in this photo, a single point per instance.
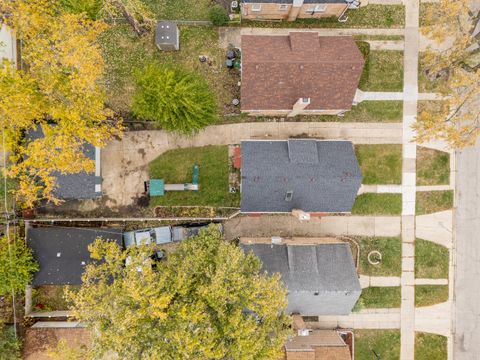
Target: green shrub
pixel 177 100
pixel 218 15
pixel 89 7
pixel 9 345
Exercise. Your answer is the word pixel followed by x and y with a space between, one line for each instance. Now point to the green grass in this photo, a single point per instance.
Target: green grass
pixel 385 343
pixel 433 201
pixel 430 346
pixel 125 53
pixel 175 166
pixel 391 250
pixel 366 111
pixel 180 9
pixel 433 167
pixel 426 295
pixel 385 71
pixel 370 16
pixel 431 260
pixel 380 297
pixel 380 164
pixel 378 204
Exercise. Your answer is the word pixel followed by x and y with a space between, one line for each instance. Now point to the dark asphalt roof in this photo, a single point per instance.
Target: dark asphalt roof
pixel 291 1
pixel 73 186
pixel 323 269
pixel 321 176
pixel 60 252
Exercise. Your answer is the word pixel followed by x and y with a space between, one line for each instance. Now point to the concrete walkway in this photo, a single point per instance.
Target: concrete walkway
pixel 390 96
pixel 397 189
pixel 287 225
pixel 410 89
pixel 386 281
pixel 125 161
pixel 395 45
pixel 434 319
pixel 364 319
pixel 436 228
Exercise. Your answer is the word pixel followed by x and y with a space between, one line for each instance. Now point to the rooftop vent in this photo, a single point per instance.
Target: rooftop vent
pixel 289 195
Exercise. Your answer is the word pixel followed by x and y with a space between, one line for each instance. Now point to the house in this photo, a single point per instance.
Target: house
pixel 80 185
pixel 292 10
pixel 167 36
pixel 311 344
pixel 62 252
pixel 319 274
pixel 315 176
pixel 301 73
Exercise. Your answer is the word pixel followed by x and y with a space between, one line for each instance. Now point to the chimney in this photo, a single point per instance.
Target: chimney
pixel 295 10
pixel 299 106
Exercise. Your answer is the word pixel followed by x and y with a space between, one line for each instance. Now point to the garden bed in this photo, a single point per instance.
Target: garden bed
pixel 431 260
pixel 391 250
pixel 193 211
pixel 51 297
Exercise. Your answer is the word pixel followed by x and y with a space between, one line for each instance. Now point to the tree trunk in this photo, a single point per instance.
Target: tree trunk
pixel 129 17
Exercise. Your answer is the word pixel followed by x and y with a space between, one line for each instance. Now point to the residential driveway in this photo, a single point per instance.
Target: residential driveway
pixel 125 161
pixel 466 309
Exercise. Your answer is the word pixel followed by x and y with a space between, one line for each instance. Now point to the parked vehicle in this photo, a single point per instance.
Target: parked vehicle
pixel 162 235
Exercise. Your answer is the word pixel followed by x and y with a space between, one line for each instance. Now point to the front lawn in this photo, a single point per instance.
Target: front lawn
pixel 383 71
pixel 378 204
pixel 380 164
pixel 426 295
pixel 383 343
pixel 380 297
pixel 433 167
pixel 391 250
pixel 370 16
pixel 125 53
pixel 176 166
pixel 433 201
pixel 430 346
pixel 431 260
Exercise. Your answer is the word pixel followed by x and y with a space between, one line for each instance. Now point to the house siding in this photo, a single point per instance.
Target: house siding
pixel 271 11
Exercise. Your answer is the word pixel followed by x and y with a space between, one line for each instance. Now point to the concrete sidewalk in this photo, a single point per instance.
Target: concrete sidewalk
pixel 287 225
pixel 436 227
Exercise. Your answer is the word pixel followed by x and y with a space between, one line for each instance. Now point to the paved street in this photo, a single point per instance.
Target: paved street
pixel 467 271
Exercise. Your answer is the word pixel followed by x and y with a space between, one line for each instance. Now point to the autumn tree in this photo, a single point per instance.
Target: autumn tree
pixel 456 119
pixel 206 300
pixel 16 265
pixel 174 98
pixel 59 89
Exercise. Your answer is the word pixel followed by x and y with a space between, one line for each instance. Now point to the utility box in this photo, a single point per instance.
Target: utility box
pixel 167 36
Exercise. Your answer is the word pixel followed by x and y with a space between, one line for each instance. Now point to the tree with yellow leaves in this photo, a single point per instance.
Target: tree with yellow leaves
pixel 206 300
pixel 450 24
pixel 59 89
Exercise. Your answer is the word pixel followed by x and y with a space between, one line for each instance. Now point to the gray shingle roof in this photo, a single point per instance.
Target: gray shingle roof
pixel 61 250
pixel 321 176
pixel 73 186
pixel 321 279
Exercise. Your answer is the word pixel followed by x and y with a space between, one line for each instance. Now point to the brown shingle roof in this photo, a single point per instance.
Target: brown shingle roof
pixel 278 70
pixel 319 345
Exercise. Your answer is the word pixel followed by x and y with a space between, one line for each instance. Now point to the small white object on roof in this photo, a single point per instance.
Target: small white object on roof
pixel 59 254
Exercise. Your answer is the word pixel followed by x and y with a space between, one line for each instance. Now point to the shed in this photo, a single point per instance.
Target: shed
pixel 167 36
